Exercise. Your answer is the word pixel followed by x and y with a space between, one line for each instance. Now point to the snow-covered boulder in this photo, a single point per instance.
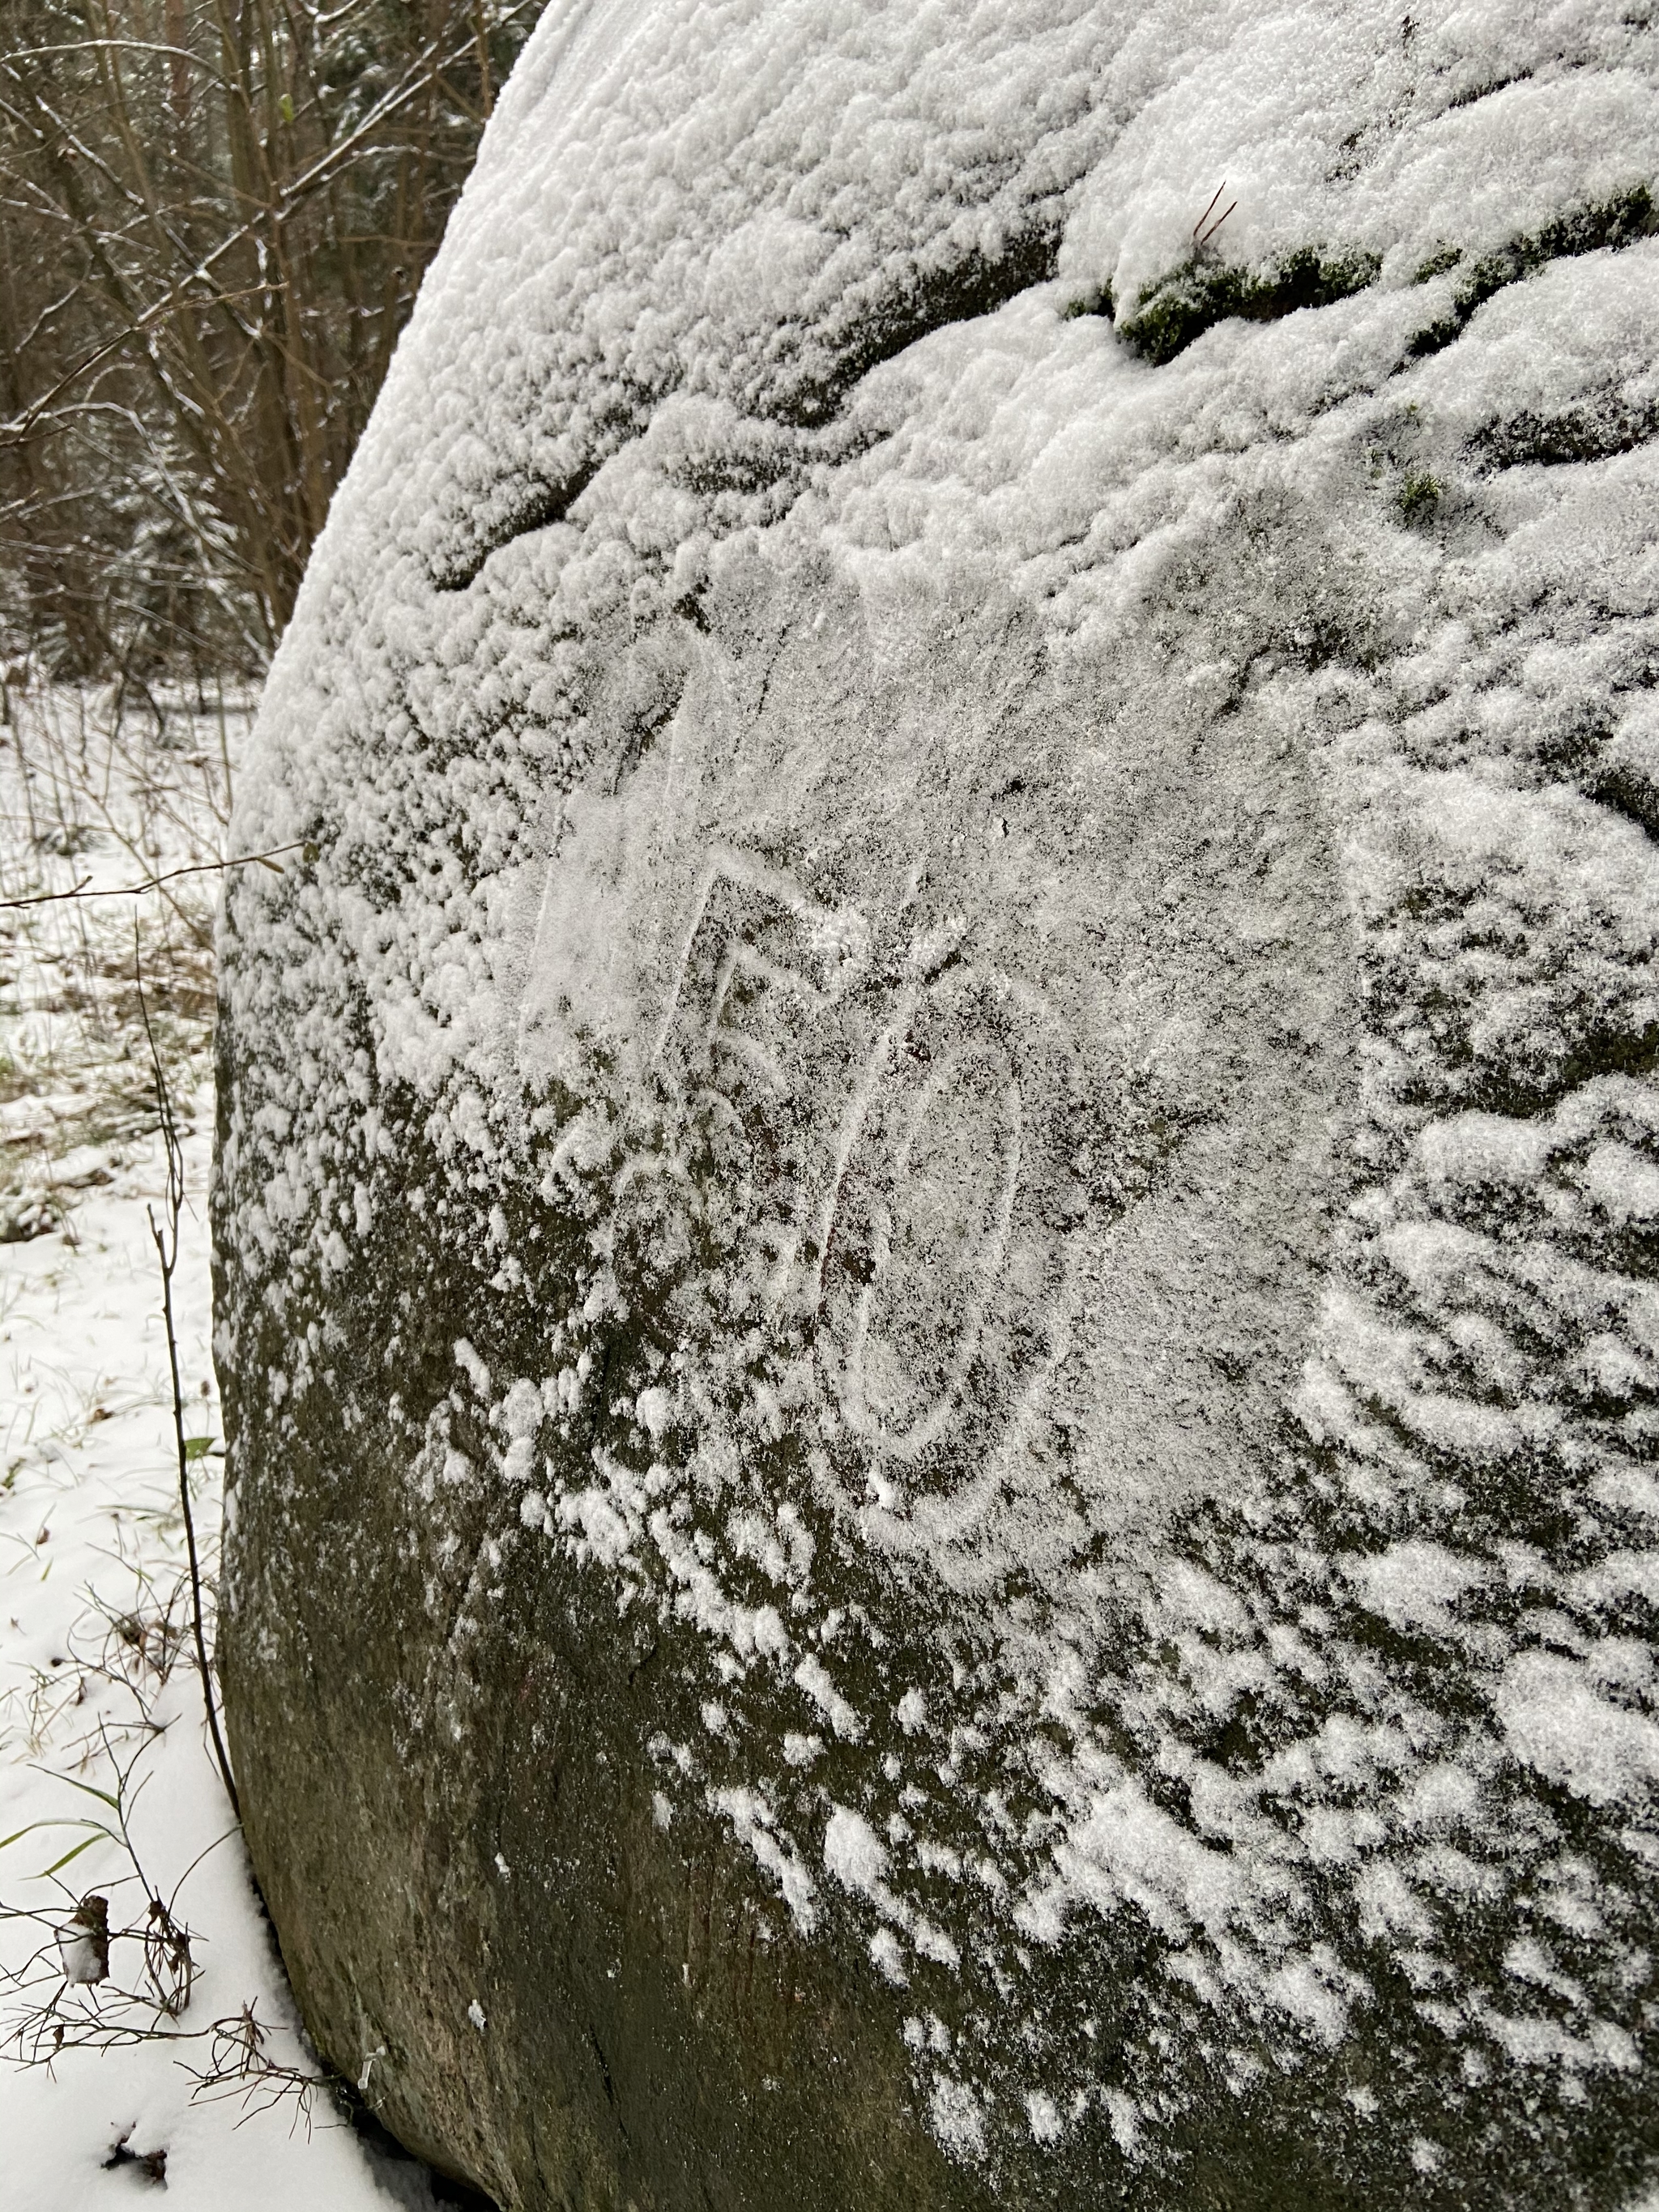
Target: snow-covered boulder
pixel 939 1156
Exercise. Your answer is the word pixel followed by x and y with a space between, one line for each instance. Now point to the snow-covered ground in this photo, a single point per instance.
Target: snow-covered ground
pixel 101 1713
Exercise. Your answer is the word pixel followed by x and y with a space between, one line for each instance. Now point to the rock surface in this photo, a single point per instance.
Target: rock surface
pixel 937 1185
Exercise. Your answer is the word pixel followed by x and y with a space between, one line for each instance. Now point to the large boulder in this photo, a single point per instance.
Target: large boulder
pixel 939 1155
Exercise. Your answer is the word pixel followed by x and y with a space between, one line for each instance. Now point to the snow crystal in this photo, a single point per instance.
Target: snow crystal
pixel 889 1954
pixel 1411 1584
pixel 817 1680
pixel 1043 2114
pixel 957 2119
pixel 653 1409
pixel 1555 1718
pixel 477 1373
pixel 752 1819
pixel 853 1851
pixel 1125 2119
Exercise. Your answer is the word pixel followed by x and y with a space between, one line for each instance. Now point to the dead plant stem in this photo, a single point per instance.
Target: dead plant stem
pixel 165 1236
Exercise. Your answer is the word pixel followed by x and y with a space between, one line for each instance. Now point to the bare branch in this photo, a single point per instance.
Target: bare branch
pixel 83 890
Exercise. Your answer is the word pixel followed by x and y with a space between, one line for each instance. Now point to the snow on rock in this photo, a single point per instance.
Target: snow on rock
pixel 937 1199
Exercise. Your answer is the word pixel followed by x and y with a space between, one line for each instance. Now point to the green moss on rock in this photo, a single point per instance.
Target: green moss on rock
pixel 1605 225
pixel 1169 314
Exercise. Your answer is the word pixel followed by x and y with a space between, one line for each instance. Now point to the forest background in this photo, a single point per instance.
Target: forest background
pixel 214 218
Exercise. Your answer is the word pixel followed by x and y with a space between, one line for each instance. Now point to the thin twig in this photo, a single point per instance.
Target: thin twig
pixel 1210 233
pixel 166 1241
pixel 154 883
pixel 1205 217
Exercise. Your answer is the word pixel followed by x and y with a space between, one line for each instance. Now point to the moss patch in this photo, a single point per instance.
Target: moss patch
pixel 1419 497
pixel 1579 434
pixel 1169 314
pixel 1443 258
pixel 1099 299
pixel 1608 224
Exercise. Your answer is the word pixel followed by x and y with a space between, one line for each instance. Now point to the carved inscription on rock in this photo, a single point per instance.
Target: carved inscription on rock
pixel 999 1011
pixel 901 1102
